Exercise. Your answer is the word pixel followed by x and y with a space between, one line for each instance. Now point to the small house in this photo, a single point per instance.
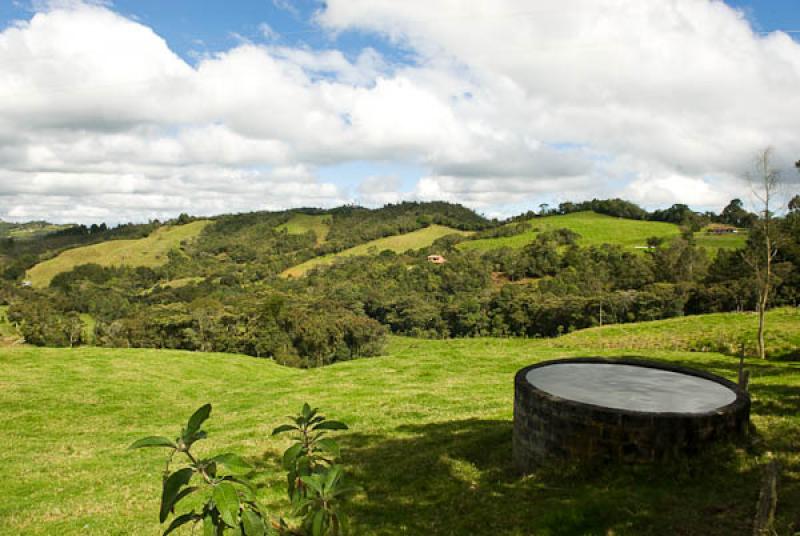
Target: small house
pixel 436 259
pixel 721 229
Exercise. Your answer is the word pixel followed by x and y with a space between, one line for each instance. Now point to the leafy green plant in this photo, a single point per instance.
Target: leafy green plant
pixel 316 485
pixel 311 452
pixel 320 506
pixel 229 501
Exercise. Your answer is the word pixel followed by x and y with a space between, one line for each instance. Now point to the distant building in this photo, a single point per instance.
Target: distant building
pixel 27 283
pixel 436 259
pixel 721 229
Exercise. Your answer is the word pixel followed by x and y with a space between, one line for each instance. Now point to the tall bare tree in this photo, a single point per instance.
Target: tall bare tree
pixel 764 182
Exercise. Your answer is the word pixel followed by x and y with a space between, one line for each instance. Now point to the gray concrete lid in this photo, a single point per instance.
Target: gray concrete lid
pixel 631 387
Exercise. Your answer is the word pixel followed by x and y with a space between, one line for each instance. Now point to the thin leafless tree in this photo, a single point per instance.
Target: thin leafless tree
pixel 765 182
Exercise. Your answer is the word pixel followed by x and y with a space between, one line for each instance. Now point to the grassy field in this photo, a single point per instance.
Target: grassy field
pixel 716 332
pixel 721 241
pixel 594 229
pixel 28 231
pixel 601 229
pixel 430 439
pixel 303 223
pixel 149 251
pixel 397 243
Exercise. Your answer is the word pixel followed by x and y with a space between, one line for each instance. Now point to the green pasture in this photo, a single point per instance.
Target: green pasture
pixel 429 439
pixel 398 243
pixel 149 251
pixel 594 229
pixel 303 223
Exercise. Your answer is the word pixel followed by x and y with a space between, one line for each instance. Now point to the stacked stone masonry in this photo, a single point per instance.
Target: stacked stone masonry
pixel 547 427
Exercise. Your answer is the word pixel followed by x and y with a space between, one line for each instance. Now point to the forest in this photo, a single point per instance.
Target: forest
pixel 224 290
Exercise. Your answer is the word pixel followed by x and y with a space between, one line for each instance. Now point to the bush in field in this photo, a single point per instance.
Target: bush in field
pixel 229 505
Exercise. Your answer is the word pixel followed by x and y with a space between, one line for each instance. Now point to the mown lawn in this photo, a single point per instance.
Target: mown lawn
pixel 398 243
pixel 429 442
pixel 149 251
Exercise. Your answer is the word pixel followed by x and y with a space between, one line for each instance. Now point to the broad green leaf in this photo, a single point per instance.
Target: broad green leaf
pixel 333 475
pixel 285 428
pixel 291 454
pixel 330 425
pixel 183 493
pixel 317 524
pixel 243 482
pixel 247 494
pixel 208 526
pixel 313 482
pixel 253 524
pixel 197 419
pixel 227 501
pixel 180 520
pixel 232 461
pixel 195 437
pixel 329 445
pixel 306 411
pixel 169 492
pixel 153 441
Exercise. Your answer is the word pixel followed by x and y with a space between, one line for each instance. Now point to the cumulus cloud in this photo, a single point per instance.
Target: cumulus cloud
pixel 684 89
pixel 507 103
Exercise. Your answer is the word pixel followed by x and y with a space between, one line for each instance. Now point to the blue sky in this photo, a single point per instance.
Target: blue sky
pixel 516 104
pixel 193 27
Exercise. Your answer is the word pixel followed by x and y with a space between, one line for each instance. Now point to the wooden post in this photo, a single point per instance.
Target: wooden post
pixel 763 524
pixel 744 374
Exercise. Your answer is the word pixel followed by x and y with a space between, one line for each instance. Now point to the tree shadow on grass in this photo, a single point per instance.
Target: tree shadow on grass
pixel 456 478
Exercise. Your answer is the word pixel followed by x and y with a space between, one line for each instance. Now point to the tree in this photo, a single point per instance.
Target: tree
pixel 764 181
pixel 794 203
pixel 735 214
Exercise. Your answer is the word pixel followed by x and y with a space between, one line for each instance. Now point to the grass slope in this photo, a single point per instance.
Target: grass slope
pixel 712 332
pixel 149 251
pixel 602 229
pixel 398 243
pixel 594 229
pixel 430 441
pixel 303 223
pixel 30 230
pixel 721 241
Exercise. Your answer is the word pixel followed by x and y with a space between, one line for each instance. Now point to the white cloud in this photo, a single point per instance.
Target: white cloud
pixel 508 103
pixel 380 190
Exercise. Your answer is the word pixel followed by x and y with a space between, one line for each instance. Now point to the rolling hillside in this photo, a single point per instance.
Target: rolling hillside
pixel 712 332
pixel 398 243
pixel 303 223
pixel 29 230
pixel 429 439
pixel 149 251
pixel 594 229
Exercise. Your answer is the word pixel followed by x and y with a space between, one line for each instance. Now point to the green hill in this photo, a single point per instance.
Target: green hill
pixel 430 440
pixel 303 223
pixel 149 251
pixel 397 243
pixel 594 229
pixel 30 230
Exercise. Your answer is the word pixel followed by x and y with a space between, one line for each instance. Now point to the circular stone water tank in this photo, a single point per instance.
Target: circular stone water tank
pixel 628 409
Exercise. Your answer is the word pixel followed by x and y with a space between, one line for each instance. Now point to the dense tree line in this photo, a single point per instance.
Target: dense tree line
pixel 233 300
